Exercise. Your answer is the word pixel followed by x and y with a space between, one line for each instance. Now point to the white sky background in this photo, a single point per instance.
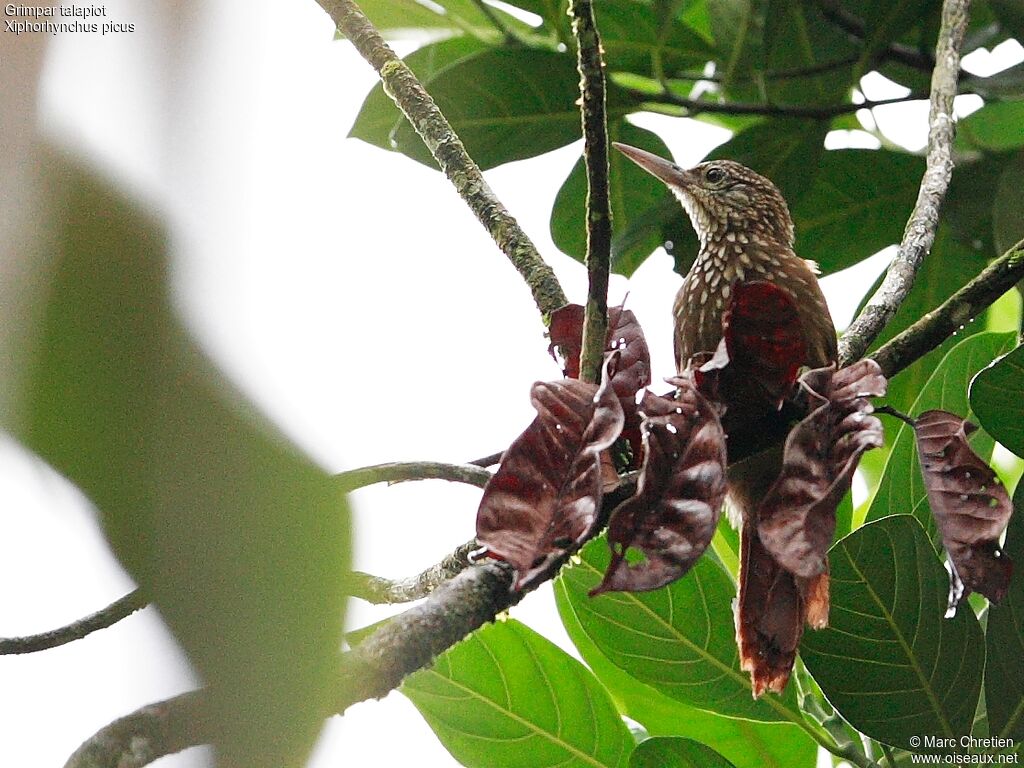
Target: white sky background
pixel 347 290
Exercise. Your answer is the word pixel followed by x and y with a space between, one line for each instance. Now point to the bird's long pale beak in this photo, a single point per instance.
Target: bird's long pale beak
pixel 659 167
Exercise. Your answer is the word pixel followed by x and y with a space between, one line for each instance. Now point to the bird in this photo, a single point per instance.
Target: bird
pixel 746 234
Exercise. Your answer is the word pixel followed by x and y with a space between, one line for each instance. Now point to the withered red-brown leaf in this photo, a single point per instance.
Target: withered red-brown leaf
pixel 673 514
pixel 762 346
pixel 633 370
pixel 544 499
pixel 970 505
pixel 797 517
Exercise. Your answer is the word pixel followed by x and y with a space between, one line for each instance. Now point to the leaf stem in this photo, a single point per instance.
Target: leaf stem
pixel 506 33
pixel 598 208
pixel 446 147
pixel 890 411
pixel 924 220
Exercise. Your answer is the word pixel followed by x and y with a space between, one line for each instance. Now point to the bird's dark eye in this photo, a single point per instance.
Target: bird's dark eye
pixel 714 175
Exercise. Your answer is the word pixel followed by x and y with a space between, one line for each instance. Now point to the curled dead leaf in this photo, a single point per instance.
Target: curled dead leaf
pixel 672 516
pixel 543 501
pixel 970 505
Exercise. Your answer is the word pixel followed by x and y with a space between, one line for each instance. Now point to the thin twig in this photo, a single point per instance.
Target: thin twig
pixel 952 315
pixel 437 133
pixel 791 73
pixel 598 207
pixel 106 617
pixel 378 590
pixel 697 106
pixel 920 232
pixel 400 471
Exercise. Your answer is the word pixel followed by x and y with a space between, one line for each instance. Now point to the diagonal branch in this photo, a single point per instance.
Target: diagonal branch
pixel 964 305
pixel 439 136
pixel 598 208
pixel 103 618
pixel 826 112
pixel 920 232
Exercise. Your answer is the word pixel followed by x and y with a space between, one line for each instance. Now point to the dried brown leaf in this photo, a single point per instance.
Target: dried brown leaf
pixel 970 505
pixel 674 512
pixel 544 499
pixel 633 370
pixel 797 518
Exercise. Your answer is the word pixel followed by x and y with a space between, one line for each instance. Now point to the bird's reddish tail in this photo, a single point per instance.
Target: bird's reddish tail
pixel 773 604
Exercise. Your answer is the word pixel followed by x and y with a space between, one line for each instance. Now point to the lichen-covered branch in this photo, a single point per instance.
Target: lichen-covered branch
pixel 598 207
pixel 378 590
pixel 439 136
pixel 103 618
pixel 397 472
pixel 147 734
pixel 924 220
pixel 959 309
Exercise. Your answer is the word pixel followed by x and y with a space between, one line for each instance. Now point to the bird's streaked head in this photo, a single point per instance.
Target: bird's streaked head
pixel 722 196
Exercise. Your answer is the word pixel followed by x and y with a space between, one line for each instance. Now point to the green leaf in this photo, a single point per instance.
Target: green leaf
pixel 747 744
pixel 635 195
pixel 967 209
pixel 1011 15
pixel 839 222
pixel 885 22
pixel 901 490
pixel 945 270
pixel 679 640
pixel 889 662
pixel 508 105
pixel 1004 641
pixel 379 118
pixel 997 398
pixel 634 40
pixel 798 37
pixel 738 28
pixel 676 753
pixel 410 18
pixel 1008 84
pixel 239 539
pixel 507 696
pixel 1008 206
pixel 996 127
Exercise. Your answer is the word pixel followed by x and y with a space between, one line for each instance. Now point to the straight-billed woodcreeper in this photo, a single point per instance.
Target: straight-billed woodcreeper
pixel 746 233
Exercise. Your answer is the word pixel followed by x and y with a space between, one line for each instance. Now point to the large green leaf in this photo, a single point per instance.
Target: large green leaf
pixel 997 398
pixel 238 538
pixel 411 18
pixel 946 269
pixel 379 118
pixel 797 39
pixel 738 29
pixel 1004 641
pixel 676 753
pixel 889 662
pixel 679 640
pixel 634 40
pixel 858 205
pixel 508 105
pixel 1008 206
pixel 885 22
pixel 507 696
pixel 747 744
pixel 967 209
pixel 634 195
pixel 902 490
pixel 996 127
